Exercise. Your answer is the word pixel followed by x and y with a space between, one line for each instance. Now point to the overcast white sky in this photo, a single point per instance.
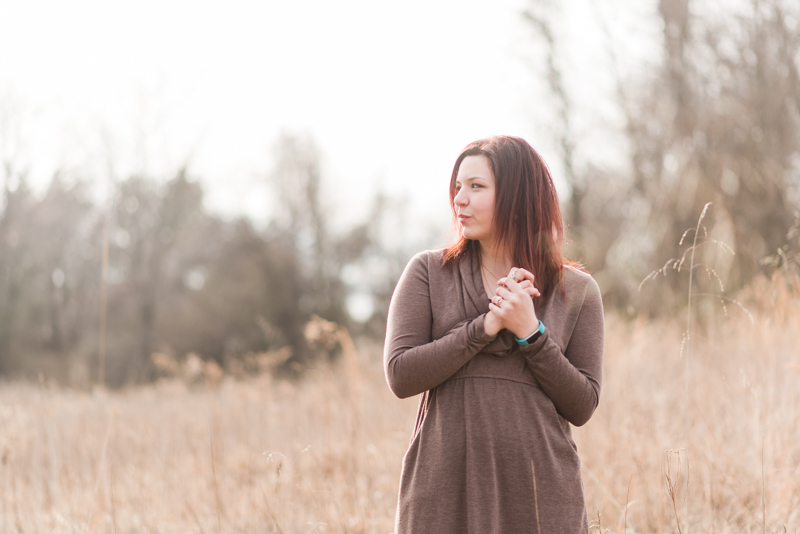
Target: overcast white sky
pixel 390 91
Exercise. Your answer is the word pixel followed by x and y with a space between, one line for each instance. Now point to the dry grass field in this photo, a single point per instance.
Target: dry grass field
pixel 323 454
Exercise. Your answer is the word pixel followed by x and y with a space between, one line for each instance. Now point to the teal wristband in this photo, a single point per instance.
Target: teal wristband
pixel 533 337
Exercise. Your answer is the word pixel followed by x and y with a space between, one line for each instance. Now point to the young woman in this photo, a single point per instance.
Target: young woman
pixel 503 338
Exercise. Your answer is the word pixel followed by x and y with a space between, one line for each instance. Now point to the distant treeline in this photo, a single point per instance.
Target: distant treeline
pixel 89 290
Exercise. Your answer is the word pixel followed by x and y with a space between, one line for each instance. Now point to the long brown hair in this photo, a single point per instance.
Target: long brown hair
pixel 527 216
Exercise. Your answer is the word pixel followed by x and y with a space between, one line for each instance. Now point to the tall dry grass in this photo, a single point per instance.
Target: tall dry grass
pixel 323 454
pixel 743 417
pixel 320 455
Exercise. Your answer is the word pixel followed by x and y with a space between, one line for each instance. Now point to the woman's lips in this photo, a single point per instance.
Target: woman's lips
pixel 462 218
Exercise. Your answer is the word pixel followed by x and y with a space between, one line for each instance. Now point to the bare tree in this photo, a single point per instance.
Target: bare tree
pixel 538 15
pixel 148 219
pixel 14 204
pixel 716 121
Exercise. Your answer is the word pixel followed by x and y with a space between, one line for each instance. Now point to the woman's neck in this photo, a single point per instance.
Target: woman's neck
pixel 495 258
pixel 495 265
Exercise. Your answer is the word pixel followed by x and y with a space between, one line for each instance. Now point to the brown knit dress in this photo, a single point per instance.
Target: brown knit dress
pixel 492 450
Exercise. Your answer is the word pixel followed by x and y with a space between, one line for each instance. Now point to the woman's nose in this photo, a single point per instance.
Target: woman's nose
pixel 460 198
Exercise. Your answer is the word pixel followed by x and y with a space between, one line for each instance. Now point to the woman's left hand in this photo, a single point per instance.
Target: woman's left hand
pixel 513 303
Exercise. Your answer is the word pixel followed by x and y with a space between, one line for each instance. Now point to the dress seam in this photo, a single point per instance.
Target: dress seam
pixel 493 378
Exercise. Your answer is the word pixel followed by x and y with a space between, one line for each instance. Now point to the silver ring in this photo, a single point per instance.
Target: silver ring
pixel 513 274
pixel 497 299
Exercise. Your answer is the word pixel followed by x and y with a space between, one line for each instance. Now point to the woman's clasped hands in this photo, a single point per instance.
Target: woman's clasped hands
pixel 511 307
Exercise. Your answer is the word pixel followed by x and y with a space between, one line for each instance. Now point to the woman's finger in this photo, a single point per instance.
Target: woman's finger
pixel 504 292
pixel 523 274
pixel 529 290
pixel 532 291
pixel 510 284
pixel 509 295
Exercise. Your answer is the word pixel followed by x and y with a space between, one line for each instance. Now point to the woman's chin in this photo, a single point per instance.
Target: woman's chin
pixel 474 236
pixel 468 233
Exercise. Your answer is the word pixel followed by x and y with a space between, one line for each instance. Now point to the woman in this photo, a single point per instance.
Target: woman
pixel 503 363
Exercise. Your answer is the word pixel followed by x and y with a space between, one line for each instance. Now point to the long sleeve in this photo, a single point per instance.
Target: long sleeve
pixel 572 379
pixel 414 362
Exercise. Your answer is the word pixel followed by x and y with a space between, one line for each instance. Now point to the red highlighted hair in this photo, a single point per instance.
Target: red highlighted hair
pixel 527 216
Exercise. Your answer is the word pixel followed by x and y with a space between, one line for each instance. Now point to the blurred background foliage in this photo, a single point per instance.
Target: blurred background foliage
pixel 714 119
pixel 91 292
pixel 94 290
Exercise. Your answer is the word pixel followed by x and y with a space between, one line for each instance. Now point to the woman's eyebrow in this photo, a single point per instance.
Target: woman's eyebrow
pixel 471 178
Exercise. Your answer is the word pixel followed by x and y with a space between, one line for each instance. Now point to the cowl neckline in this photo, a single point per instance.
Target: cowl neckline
pixel 476 302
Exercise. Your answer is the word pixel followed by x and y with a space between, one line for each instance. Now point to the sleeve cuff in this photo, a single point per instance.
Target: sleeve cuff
pixel 478 334
pixel 536 346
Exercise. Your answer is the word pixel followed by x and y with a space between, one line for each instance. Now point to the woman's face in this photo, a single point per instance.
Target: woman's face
pixel 474 200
